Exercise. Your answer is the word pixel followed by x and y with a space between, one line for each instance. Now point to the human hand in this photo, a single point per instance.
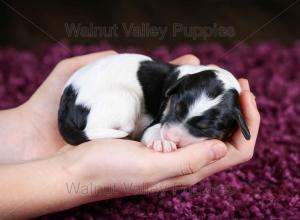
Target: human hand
pixel 121 167
pixel 31 129
pixel 129 166
pixel 117 168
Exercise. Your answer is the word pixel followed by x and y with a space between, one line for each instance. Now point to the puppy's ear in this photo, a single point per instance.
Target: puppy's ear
pixel 242 124
pixel 173 87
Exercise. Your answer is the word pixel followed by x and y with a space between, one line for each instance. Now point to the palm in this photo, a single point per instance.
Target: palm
pixel 43 107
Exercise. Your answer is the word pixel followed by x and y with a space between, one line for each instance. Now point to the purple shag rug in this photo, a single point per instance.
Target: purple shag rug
pixel 267 187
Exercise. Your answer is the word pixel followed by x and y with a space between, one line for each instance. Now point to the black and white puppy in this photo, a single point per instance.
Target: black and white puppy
pixel 164 105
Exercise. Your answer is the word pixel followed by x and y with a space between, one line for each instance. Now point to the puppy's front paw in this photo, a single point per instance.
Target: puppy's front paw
pixel 162 145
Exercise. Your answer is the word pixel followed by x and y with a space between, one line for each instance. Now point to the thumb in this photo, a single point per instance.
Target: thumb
pixel 189 159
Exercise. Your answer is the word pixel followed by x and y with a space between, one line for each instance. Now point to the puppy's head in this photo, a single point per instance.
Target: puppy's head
pixel 201 106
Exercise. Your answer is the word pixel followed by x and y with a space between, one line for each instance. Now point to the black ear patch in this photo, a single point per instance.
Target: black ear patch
pixel 174 86
pixel 242 124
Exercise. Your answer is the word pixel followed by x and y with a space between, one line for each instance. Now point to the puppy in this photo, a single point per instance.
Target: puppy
pixel 165 106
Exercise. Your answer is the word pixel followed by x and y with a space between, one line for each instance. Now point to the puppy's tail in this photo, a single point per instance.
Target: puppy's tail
pixel 72 118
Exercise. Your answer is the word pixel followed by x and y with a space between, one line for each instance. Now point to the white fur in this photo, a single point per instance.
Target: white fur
pixel 192 69
pixel 152 133
pixel 202 104
pixel 110 89
pixel 228 79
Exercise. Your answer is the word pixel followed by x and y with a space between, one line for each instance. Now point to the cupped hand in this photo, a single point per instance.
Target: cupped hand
pixel 39 113
pixel 123 167
pixel 192 164
pixel 117 168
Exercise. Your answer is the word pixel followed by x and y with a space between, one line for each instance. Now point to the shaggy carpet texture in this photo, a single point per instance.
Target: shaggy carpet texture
pixel 267 187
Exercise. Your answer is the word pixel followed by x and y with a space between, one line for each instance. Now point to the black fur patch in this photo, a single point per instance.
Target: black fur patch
pixel 72 118
pixel 155 77
pixel 203 81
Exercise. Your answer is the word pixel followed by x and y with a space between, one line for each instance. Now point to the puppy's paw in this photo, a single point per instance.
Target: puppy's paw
pixel 162 145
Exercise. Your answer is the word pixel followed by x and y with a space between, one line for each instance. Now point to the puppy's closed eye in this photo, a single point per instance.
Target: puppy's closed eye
pixel 181 109
pixel 202 124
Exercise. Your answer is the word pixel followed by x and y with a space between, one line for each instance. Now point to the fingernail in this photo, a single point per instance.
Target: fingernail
pixel 218 151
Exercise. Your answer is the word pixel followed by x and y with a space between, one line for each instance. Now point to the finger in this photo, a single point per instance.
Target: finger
pixel 186 160
pixel 244 83
pixel 232 158
pixel 186 59
pixel 85 59
pixel 72 64
pixel 213 65
pixel 188 180
pixel 252 117
pixel 193 178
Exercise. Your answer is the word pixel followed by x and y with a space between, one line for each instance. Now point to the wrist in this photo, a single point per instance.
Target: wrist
pixel 60 185
pixel 42 186
pixel 86 180
pixel 78 178
pixel 72 178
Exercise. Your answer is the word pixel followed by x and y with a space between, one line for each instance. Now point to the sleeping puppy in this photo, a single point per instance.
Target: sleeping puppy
pixel 164 105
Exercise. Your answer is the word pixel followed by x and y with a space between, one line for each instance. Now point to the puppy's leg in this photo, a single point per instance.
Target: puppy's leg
pixel 114 114
pixel 106 133
pixel 152 139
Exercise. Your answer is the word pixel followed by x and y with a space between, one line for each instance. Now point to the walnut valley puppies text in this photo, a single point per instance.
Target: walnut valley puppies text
pixel 146 30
